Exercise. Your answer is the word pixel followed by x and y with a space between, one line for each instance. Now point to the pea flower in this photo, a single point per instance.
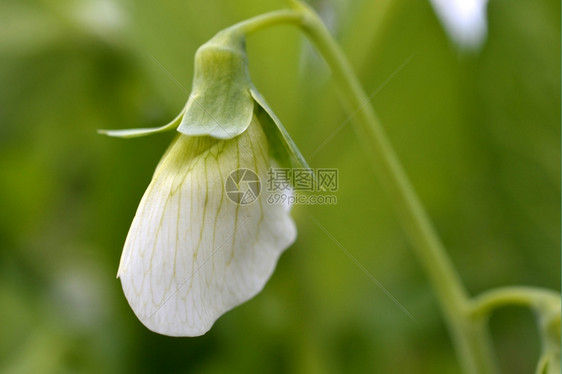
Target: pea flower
pixel 204 238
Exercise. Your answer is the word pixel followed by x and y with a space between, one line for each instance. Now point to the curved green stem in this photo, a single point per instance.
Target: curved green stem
pixel 545 303
pixel 470 337
pixel 277 17
pixel 535 298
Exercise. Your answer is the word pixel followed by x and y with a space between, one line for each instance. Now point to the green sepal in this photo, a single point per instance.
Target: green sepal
pixel 281 146
pixel 133 133
pixel 220 104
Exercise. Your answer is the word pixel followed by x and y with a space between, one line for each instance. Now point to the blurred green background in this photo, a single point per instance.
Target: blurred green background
pixel 478 133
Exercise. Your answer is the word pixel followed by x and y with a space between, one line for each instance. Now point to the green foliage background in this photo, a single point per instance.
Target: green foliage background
pixel 478 133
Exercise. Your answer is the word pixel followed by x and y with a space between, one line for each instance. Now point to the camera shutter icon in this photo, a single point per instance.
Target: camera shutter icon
pixel 243 186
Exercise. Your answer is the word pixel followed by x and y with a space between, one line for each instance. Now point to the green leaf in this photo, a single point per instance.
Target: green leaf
pixel 134 133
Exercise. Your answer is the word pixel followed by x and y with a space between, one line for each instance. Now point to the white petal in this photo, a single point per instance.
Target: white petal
pixel 191 253
pixel 464 20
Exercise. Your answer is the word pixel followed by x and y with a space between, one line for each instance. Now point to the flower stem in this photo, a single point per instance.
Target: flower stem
pixel 469 334
pixel 265 20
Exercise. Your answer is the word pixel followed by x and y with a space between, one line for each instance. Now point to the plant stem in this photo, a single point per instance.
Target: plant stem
pixel 265 20
pixel 469 334
pixel 470 337
pixel 533 297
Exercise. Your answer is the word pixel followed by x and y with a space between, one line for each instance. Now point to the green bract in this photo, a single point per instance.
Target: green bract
pixel 220 104
pixel 223 101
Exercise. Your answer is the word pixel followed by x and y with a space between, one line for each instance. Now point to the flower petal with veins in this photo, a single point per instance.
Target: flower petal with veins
pixel 191 253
